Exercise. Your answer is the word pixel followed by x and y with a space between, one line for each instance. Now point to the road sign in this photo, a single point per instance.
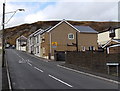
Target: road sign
pixel 54 44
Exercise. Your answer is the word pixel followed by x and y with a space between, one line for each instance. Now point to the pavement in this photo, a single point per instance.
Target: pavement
pixel 0 72
pixel 28 72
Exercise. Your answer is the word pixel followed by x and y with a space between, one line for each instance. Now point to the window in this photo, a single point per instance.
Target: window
pixel 31 41
pixel 70 36
pixel 37 49
pixel 37 39
pixel 83 48
pixel 91 48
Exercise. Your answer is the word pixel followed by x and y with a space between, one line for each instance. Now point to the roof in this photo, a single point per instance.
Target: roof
pixel 114 40
pixel 22 37
pixel 35 32
pixel 61 23
pixel 85 29
pixel 108 29
pixel 43 31
pixel 116 45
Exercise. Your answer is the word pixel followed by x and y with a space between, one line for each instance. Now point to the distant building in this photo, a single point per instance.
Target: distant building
pixel 21 43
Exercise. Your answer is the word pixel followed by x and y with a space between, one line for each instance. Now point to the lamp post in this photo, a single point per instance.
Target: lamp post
pixel 3 40
pixel 3 31
pixel 14 12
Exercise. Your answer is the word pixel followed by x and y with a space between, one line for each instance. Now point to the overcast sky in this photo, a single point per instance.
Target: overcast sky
pixel 80 10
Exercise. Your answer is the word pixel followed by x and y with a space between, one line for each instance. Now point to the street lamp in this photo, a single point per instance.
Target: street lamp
pixel 14 12
pixel 3 28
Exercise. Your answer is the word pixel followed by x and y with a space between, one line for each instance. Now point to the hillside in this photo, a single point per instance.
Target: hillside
pixel 26 29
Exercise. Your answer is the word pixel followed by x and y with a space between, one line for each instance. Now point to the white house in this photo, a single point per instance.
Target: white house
pixel 21 43
pixel 105 36
pixel 33 43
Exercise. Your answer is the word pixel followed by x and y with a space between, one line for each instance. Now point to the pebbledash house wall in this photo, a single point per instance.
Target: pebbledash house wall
pixel 94 61
pixel 60 35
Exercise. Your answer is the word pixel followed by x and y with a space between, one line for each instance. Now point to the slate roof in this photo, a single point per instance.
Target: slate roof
pixel 85 29
pixel 115 45
pixel 117 40
pixel 22 38
pixel 43 31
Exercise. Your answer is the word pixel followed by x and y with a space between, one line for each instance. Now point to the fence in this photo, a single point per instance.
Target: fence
pixel 95 61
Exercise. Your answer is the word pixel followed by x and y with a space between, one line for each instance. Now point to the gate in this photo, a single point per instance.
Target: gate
pixel 59 55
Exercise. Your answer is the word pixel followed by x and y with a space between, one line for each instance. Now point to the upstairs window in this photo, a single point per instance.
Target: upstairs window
pixel 71 36
pixel 37 39
pixel 37 49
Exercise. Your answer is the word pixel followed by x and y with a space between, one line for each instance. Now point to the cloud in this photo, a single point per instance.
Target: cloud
pixel 102 11
pixel 84 10
pixel 19 17
pixel 60 0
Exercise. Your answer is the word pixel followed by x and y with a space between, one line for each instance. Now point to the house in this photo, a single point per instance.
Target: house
pixel 34 43
pixel 61 37
pixel 112 46
pixel 21 43
pixel 66 37
pixel 105 36
pixel 109 40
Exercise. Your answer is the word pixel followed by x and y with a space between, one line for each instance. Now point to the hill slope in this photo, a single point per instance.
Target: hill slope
pixel 26 29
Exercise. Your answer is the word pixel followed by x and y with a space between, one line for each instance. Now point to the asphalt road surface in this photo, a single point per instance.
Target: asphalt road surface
pixel 28 72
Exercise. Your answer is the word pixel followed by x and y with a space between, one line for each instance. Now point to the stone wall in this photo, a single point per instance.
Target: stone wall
pixel 95 61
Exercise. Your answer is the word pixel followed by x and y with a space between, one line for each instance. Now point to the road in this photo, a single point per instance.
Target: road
pixel 28 72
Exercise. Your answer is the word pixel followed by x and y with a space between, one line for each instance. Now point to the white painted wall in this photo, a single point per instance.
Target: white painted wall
pixel 104 37
pixel 19 47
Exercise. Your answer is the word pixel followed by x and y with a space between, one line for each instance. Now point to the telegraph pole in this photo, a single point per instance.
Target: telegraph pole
pixel 3 37
pixel 76 41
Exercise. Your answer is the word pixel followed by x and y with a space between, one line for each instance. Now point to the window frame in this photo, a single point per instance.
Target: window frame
pixel 69 36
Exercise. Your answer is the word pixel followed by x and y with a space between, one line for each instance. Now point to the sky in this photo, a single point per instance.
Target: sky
pixel 46 10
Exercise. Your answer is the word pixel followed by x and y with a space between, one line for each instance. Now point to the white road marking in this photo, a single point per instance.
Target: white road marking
pixel 23 60
pixel 8 75
pixel 20 61
pixel 38 69
pixel 60 81
pixel 30 64
pixel 29 61
pixel 90 74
